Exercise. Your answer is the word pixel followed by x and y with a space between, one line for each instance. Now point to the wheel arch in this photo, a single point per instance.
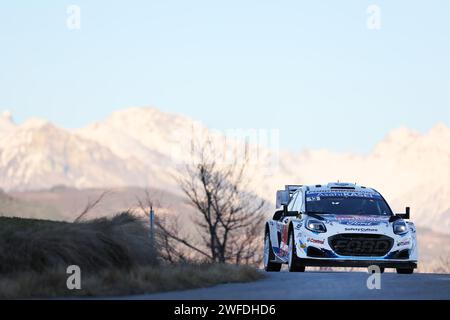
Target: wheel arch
pixel 267 228
pixel 294 228
pixel 291 227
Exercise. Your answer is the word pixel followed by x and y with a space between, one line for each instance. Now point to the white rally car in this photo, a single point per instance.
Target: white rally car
pixel 338 225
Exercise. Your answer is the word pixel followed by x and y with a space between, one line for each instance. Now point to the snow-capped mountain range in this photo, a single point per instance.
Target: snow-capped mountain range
pixel 145 146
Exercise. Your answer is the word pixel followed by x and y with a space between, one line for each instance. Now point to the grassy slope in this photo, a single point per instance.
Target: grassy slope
pixel 114 255
pixel 13 223
pixel 115 282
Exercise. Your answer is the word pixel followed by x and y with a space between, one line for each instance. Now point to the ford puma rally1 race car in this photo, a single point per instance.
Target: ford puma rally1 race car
pixel 338 225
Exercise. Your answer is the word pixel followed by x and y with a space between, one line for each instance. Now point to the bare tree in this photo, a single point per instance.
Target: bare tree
pixel 91 204
pixel 227 217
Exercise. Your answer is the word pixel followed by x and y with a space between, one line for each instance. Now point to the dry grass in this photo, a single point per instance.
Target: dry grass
pixel 39 245
pixel 120 283
pixel 115 257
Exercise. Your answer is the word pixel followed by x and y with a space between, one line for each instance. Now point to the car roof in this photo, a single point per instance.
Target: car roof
pixel 335 186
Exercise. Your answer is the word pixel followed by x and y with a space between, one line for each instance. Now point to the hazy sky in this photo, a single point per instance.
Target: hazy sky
pixel 313 69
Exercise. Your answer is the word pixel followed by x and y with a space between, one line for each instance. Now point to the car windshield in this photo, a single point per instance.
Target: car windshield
pixel 342 203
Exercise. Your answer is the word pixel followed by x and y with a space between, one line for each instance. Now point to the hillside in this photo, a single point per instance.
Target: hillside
pixel 20 207
pixel 67 203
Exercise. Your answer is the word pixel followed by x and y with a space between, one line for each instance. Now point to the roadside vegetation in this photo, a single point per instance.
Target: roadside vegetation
pixel 228 219
pixel 115 255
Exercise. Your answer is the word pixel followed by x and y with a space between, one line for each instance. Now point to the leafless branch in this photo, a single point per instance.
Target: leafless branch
pixel 91 205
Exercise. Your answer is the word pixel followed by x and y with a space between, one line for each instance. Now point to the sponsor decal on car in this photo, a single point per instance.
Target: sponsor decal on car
pixel 403 243
pixel 302 245
pixel 284 250
pixel 359 223
pixel 364 221
pixel 362 229
pixel 318 241
pixel 316 195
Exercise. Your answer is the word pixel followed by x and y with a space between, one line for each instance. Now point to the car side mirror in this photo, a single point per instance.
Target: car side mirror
pixel 287 213
pixel 406 214
pixel 277 215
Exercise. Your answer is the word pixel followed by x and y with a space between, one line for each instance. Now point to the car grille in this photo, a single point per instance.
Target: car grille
pixel 367 245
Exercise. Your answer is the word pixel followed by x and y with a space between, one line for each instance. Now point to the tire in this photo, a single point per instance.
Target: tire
pixel 268 256
pixel 293 260
pixel 405 270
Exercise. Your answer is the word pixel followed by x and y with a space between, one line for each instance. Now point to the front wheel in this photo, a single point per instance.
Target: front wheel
pixel 269 266
pixel 293 260
pixel 405 271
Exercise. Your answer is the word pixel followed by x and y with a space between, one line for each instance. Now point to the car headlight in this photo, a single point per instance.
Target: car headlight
pixel 315 226
pixel 400 227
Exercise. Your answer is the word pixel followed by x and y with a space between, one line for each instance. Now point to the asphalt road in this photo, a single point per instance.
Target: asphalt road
pixel 320 285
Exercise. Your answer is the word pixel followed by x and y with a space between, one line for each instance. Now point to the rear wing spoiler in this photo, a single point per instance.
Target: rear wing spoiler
pixel 284 196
